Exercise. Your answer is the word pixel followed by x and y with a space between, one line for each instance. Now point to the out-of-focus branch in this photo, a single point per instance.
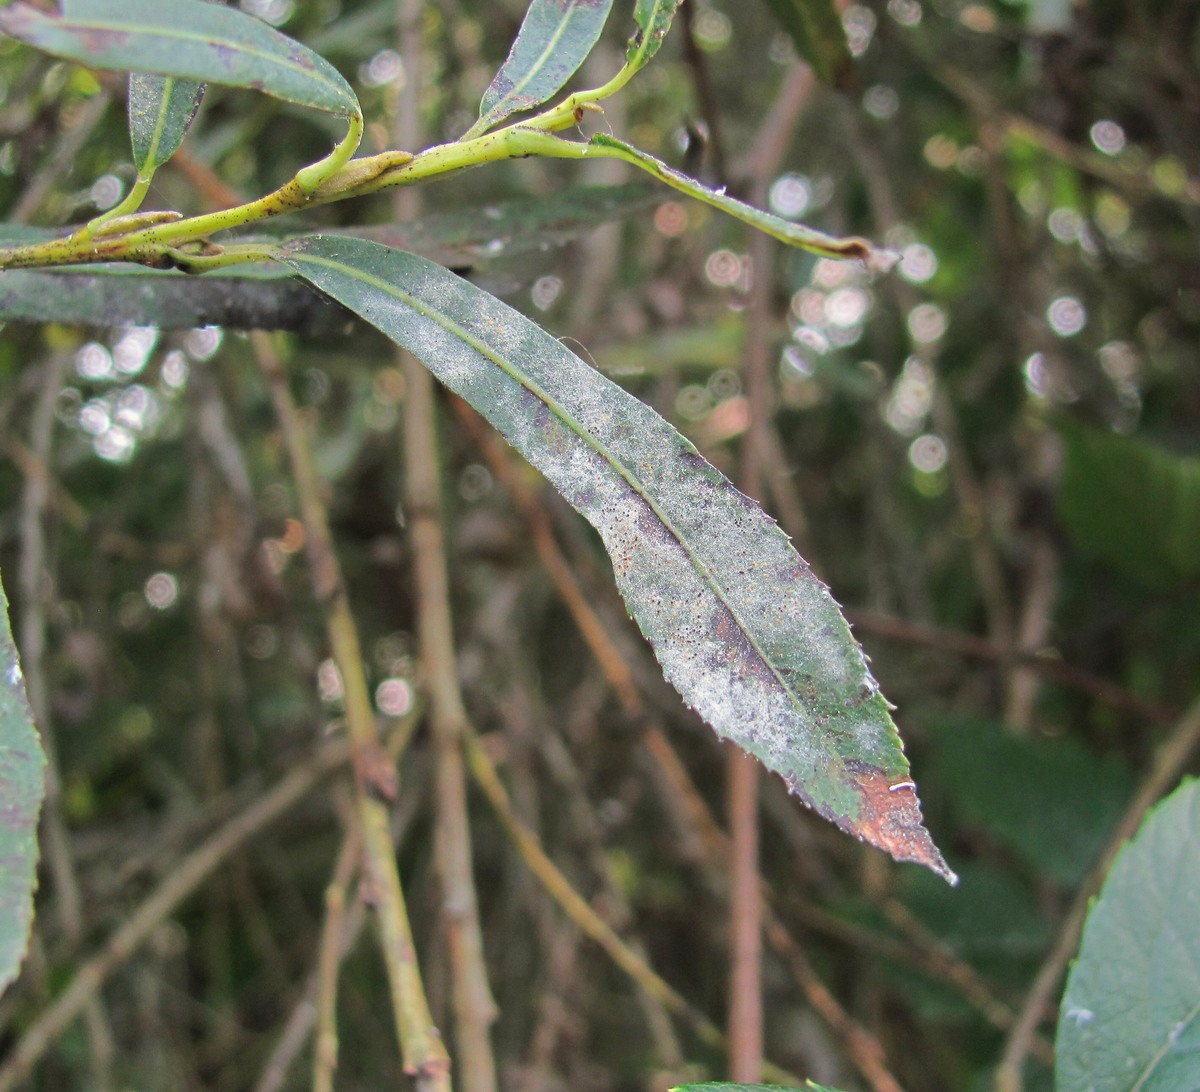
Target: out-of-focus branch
pixel 979 648
pixel 474 1007
pixel 375 774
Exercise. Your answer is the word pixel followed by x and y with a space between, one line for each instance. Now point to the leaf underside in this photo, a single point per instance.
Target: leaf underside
pixel 653 19
pixel 740 624
pixel 161 110
pixel 555 38
pixel 21 769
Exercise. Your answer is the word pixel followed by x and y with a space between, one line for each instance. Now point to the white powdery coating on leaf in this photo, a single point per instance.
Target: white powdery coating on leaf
pixel 760 651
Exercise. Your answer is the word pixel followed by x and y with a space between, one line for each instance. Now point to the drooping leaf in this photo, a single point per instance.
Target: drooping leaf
pixel 1133 506
pixel 268 297
pixel 187 39
pixel 555 39
pixel 161 110
pixel 816 29
pixel 742 628
pixel 1130 1017
pixel 806 238
pixel 21 767
pixel 653 18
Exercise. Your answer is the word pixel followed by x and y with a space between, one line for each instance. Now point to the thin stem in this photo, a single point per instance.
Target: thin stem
pixel 330 955
pixel 475 1009
pixel 581 913
pixel 420 1042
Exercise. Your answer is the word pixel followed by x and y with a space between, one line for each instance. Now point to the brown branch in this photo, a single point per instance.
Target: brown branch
pixel 331 950
pixel 980 648
pixel 581 913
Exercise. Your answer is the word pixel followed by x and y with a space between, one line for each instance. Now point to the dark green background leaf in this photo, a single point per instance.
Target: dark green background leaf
pixel 741 626
pixel 21 768
pixel 1133 506
pixel 817 32
pixel 1051 800
pixel 1131 1015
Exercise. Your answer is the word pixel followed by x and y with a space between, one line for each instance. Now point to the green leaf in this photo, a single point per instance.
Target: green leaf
pixel 21 769
pixel 1132 506
pixel 1052 801
pixel 806 238
pixel 161 110
pixel 742 628
pixel 1130 1018
pixel 819 36
pixel 653 18
pixel 188 39
pixel 555 39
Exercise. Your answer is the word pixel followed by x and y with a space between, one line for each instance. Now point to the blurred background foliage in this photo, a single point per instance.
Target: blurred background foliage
pixel 990 452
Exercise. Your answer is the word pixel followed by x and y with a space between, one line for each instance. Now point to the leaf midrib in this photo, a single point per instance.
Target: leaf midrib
pixel 452 327
pixel 183 35
pixel 539 64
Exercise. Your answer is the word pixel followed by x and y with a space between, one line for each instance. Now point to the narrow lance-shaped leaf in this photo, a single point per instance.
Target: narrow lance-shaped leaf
pixel 653 18
pixel 161 110
pixel 188 39
pixel 742 628
pixel 829 246
pixel 554 40
pixel 21 768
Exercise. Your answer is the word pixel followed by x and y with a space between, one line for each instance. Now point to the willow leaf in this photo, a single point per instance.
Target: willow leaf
pixel 554 40
pixel 653 18
pixel 187 39
pixel 161 110
pixel 741 626
pixel 21 769
pixel 806 238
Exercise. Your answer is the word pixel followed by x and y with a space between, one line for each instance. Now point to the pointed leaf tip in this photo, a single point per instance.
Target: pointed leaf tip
pixel 742 627
pixel 891 819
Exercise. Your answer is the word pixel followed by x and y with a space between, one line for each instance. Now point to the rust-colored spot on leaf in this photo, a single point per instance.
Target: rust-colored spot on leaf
pixel 891 820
